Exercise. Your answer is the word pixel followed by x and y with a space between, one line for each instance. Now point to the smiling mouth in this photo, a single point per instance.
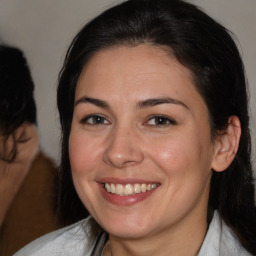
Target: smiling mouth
pixel 129 189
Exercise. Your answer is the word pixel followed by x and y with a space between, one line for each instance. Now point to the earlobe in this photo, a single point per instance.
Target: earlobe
pixel 20 131
pixel 227 145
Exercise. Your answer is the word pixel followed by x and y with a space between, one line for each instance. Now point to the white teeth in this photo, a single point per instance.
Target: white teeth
pixel 143 188
pixel 107 187
pixel 119 189
pixel 128 189
pixel 137 188
pixel 112 188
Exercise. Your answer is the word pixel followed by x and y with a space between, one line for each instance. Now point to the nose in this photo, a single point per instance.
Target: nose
pixel 123 148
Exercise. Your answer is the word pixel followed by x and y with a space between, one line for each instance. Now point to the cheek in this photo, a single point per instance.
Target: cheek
pixel 82 154
pixel 178 154
pixel 168 149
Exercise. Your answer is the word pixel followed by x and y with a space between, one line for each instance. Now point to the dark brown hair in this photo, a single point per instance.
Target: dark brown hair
pixel 17 103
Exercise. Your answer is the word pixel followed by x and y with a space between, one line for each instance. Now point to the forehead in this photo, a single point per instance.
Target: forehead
pixel 131 61
pixel 133 55
pixel 124 73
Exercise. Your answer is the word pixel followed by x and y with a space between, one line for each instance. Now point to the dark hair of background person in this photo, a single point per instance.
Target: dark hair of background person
pixel 17 104
pixel 207 49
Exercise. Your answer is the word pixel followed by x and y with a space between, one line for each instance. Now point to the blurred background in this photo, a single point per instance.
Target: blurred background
pixel 43 30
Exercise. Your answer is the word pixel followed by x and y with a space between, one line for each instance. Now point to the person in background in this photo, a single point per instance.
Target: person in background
pixel 27 176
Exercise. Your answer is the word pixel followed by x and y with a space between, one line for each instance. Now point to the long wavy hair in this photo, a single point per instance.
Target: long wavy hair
pixel 208 50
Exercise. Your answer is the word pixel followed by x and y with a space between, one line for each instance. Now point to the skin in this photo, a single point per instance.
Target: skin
pixel 12 174
pixel 128 142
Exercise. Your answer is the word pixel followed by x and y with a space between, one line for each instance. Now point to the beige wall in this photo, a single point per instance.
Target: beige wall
pixel 43 29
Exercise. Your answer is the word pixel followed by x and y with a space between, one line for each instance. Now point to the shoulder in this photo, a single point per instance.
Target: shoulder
pixel 42 160
pixel 221 240
pixel 71 240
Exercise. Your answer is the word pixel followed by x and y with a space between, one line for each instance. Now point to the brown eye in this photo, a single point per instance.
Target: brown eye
pixel 160 121
pixel 94 120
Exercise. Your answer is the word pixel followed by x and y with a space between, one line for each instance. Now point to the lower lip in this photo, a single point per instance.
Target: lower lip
pixel 125 200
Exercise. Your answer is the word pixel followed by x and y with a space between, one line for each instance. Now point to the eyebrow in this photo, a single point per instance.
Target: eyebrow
pixel 141 104
pixel 96 102
pixel 158 101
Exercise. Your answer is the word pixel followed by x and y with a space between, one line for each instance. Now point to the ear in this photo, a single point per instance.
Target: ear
pixel 20 132
pixel 25 142
pixel 226 145
pixel 8 142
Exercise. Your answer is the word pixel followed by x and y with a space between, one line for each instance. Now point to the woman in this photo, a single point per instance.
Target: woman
pixel 27 176
pixel 153 107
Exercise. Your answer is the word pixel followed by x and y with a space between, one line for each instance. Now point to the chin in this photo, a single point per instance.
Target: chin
pixel 129 233
pixel 127 227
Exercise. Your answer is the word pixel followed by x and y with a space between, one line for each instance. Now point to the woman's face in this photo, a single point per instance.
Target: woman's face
pixel 140 143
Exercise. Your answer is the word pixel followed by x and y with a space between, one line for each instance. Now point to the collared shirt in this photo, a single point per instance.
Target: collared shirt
pixel 221 240
pixel 73 240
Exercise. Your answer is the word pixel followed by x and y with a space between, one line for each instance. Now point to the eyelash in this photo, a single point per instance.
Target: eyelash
pixel 93 117
pixel 166 121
